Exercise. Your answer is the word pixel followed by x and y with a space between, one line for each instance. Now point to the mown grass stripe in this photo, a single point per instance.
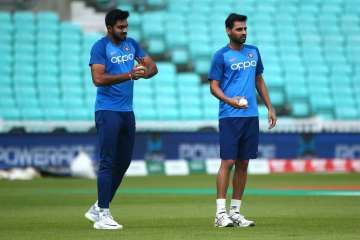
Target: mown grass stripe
pixel 198 191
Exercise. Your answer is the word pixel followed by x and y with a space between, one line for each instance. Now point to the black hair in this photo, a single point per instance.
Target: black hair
pixel 114 15
pixel 233 17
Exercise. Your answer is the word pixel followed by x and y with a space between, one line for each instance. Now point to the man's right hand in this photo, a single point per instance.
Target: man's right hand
pixel 137 74
pixel 234 102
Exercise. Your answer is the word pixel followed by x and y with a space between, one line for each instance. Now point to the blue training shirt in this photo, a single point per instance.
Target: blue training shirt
pixel 236 71
pixel 118 59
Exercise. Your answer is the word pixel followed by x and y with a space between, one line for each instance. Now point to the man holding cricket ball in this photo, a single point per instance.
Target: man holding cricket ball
pixel 112 67
pixel 235 75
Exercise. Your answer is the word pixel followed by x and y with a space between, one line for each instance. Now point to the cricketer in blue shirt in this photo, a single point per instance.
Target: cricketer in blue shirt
pixel 235 76
pixel 113 69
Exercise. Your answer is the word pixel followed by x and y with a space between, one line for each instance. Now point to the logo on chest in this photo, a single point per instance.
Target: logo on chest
pixel 122 58
pixel 243 65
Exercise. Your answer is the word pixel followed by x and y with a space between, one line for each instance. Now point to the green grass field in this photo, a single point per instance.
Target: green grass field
pixel 160 207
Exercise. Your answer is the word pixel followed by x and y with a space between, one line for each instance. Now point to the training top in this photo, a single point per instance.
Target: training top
pixel 236 71
pixel 118 59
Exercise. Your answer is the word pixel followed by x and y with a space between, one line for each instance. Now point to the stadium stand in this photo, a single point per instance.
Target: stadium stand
pixel 311 59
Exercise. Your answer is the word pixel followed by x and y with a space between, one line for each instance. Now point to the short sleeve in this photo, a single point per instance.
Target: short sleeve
pixel 217 67
pixel 98 54
pixel 259 66
pixel 139 52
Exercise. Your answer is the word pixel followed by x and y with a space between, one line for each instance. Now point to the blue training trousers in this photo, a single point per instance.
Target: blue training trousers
pixel 116 135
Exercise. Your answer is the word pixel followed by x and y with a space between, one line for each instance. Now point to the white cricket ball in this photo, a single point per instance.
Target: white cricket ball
pixel 243 101
pixel 140 67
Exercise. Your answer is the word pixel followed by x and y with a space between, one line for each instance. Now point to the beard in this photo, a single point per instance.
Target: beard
pixel 240 40
pixel 119 36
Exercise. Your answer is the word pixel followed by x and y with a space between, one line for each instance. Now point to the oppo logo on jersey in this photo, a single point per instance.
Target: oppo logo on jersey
pixel 243 65
pixel 122 59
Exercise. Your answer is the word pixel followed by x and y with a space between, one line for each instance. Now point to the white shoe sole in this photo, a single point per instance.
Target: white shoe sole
pixel 245 225
pixel 90 217
pixel 107 227
pixel 229 225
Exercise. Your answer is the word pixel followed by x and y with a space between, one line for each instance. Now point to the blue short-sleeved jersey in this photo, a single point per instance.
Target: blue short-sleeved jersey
pixel 118 59
pixel 237 71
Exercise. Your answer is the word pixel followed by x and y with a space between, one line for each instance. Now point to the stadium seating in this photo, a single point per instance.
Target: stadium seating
pixel 310 51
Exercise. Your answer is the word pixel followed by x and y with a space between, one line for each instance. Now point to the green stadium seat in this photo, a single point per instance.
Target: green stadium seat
pixel 71 80
pixel 5 17
pixel 156 46
pixel 47 48
pixel 189 101
pixel 31 113
pixel 25 102
pixel 188 79
pixel 24 48
pixel 50 101
pixel 26 92
pixel 161 90
pixel 277 97
pixel 6 49
pixel 55 114
pixel 190 113
pixel 189 90
pixel 155 3
pixel 176 6
pixel 145 83
pixel 321 103
pixel 210 113
pixel 179 56
pixel 208 100
pixel 47 17
pixel 23 17
pixel 47 58
pixel 202 66
pixel 263 112
pixel 24 80
pixel 337 69
pixel 145 114
pixel 299 93
pixel 73 102
pixel 6 59
pixel 168 114
pixel 23 30
pixel 200 50
pixel 347 113
pixel 7 101
pixel 345 101
pixel 176 41
pixel 164 67
pixel 5 80
pixel 72 91
pixel 47 80
pixel 78 114
pixel 141 102
pixel 10 113
pixel 6 70
pixel 6 91
pixel 166 101
pixel 339 80
pixel 144 92
pixel 68 39
pixel 6 38
pixel 153 29
pixel 300 110
pixel 69 27
pixel 6 29
pixel 319 90
pixel 45 68
pixel 50 28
